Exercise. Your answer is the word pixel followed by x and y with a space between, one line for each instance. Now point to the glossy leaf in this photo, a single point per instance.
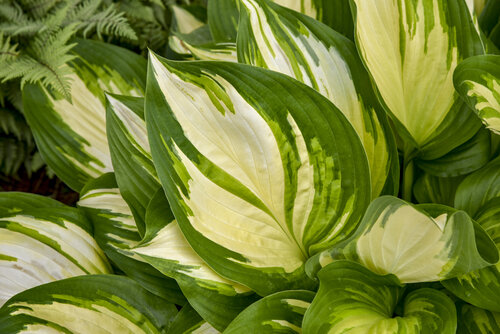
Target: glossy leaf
pixel 71 135
pixel 477 79
pixel 96 304
pixel 249 157
pixel 351 299
pixel 188 321
pixel 411 49
pixel 287 42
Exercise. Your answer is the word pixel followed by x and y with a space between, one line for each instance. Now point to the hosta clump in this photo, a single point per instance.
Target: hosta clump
pixel 260 194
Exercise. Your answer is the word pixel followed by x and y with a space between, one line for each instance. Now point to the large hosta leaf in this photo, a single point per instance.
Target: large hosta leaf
pixel 71 135
pixel 477 79
pixel 215 298
pixel 281 40
pixel 116 232
pixel 43 245
pixel 14 201
pixel 96 304
pixel 411 48
pixel 261 171
pixel 281 312
pixel 416 244
pixel 130 153
pixel 351 299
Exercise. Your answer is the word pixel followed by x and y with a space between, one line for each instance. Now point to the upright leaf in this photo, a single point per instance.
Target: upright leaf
pixel 261 171
pixel 71 135
pixel 411 48
pixel 281 40
pixel 130 153
pixel 477 79
pixel 96 304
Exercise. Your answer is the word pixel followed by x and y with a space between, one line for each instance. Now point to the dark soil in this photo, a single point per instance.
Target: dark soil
pixel 39 183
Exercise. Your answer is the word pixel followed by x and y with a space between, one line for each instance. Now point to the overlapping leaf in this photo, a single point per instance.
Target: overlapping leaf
pixel 130 153
pixel 416 244
pixel 351 299
pixel 116 232
pixel 281 40
pixel 250 157
pixel 71 135
pixel 96 304
pixel 479 195
pixel 45 244
pixel 216 299
pixel 281 312
pixel 477 79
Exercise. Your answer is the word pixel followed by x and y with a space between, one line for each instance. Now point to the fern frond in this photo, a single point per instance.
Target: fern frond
pixel 109 22
pixel 13 124
pixel 11 12
pixel 45 62
pixel 8 51
pixel 37 9
pixel 12 155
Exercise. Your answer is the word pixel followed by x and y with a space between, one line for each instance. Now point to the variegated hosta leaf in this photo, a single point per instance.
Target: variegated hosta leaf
pixel 351 299
pixel 416 244
pixel 411 48
pixel 71 136
pixel 224 51
pixel 465 159
pixel 490 22
pixel 482 287
pixel 184 21
pixel 261 171
pixel 215 298
pixel 473 320
pixel 435 189
pixel 14 202
pixel 479 188
pixel 97 304
pixel 188 321
pixel 116 232
pixel 477 79
pixel 38 246
pixel 223 15
pixel 281 40
pixel 281 312
pixel 130 153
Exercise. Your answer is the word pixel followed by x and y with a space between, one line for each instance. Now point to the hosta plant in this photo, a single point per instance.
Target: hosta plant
pixel 298 171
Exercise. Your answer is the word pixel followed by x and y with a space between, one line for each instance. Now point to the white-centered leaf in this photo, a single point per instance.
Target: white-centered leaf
pixel 71 135
pixel 411 49
pixel 38 246
pixel 97 304
pixel 261 171
pixel 415 244
pixel 281 40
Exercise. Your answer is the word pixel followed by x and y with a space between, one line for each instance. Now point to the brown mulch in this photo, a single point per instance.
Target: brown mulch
pixel 39 183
